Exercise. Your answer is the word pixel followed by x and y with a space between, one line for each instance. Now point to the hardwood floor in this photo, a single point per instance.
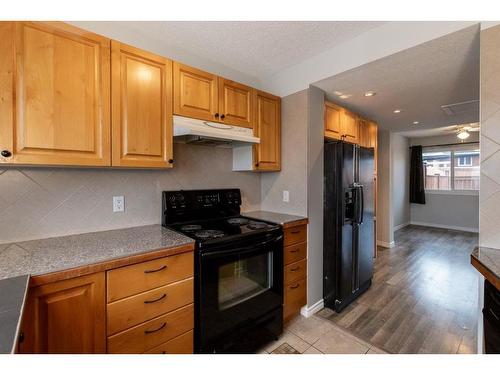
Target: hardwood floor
pixel 423 298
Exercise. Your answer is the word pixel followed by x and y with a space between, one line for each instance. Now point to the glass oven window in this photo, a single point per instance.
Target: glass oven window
pixel 243 279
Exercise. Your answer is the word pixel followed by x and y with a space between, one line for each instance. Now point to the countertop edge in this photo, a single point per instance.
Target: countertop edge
pixel 21 314
pixel 484 270
pixel 105 265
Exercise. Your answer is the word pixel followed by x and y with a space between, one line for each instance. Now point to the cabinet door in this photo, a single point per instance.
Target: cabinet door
pixel 55 86
pixel 142 108
pixel 349 126
pixel 267 154
pixel 332 115
pixel 195 93
pixel 235 103
pixel 373 140
pixel 364 132
pixel 66 317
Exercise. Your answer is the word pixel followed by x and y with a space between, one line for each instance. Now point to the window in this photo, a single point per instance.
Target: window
pixel 440 173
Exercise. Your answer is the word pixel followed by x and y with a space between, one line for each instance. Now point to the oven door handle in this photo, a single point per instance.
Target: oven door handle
pixel 260 247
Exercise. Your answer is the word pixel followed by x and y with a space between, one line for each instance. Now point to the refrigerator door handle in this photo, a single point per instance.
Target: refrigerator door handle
pixel 358 204
pixel 361 204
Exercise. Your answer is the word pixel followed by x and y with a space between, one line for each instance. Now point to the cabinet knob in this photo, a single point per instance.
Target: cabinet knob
pixel 6 153
pixel 222 117
pixel 216 115
pixel 170 161
pixel 256 164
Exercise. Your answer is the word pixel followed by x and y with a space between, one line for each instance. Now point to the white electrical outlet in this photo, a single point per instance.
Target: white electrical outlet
pixel 286 196
pixel 118 203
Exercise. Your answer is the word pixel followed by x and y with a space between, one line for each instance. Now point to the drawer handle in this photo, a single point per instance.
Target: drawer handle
pixel 156 300
pixel 155 330
pixel 294 251
pixel 295 286
pixel 295 231
pixel 156 270
pixel 295 269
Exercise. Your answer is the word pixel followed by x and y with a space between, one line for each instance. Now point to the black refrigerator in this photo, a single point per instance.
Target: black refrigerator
pixel 348 226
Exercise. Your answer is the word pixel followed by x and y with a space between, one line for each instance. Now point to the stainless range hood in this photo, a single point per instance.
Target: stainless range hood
pixel 188 130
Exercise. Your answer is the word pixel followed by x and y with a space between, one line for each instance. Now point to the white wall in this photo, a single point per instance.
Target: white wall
pixel 401 180
pixel 452 210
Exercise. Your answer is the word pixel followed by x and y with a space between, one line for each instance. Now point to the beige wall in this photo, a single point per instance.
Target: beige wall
pixel 385 233
pixel 401 178
pixel 293 175
pixel 47 202
pixel 489 195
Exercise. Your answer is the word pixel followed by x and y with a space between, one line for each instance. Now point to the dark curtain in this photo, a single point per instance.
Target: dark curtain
pixel 417 189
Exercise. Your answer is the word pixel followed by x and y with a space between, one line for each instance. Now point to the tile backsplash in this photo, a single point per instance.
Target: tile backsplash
pixel 47 202
pixel 489 195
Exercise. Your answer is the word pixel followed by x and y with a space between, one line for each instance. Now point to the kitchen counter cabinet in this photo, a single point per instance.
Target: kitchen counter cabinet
pixel 487 261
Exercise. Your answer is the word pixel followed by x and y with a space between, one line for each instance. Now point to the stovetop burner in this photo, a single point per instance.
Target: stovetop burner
pixel 257 225
pixel 209 233
pixel 238 221
pixel 191 227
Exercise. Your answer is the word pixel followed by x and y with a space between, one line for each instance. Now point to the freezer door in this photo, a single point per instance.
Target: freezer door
pixel 365 229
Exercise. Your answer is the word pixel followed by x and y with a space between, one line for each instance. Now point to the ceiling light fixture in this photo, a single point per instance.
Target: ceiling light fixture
pixel 463 134
pixel 345 96
pixel 397 111
pixel 416 122
pixel 370 93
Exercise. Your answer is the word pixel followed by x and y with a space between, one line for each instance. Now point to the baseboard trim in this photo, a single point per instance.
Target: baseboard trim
pixel 401 226
pixel 310 311
pixel 441 226
pixel 387 245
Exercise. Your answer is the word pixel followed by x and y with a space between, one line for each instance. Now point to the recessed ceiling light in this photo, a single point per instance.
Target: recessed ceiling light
pixel 416 122
pixel 345 96
pixel 397 111
pixel 370 93
pixel 338 93
pixel 463 134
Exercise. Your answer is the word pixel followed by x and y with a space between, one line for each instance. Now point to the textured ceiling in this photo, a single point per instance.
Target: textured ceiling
pixel 418 81
pixel 259 49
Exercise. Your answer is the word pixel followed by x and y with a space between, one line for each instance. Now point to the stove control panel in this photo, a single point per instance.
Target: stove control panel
pixel 185 205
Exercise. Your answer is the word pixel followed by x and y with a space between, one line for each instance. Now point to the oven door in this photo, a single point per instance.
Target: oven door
pixel 240 285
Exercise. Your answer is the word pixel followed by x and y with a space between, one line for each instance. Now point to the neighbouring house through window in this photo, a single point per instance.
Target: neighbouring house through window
pixel 451 168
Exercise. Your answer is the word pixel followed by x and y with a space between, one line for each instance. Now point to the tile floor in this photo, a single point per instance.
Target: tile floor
pixel 316 335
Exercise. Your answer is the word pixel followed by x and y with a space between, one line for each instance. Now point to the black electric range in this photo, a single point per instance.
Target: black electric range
pixel 238 270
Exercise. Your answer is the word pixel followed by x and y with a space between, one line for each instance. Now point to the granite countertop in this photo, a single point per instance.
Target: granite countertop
pixel 20 260
pixel 44 256
pixel 273 217
pixel 13 295
pixel 489 258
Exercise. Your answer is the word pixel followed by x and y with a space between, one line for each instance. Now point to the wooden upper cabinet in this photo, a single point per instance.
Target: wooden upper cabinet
pixel 267 126
pixel 55 90
pixel 364 132
pixel 235 103
pixel 195 93
pixel 66 317
pixel 349 126
pixel 333 114
pixel 141 108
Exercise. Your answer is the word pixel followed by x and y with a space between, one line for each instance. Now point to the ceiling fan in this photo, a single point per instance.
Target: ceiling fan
pixel 463 130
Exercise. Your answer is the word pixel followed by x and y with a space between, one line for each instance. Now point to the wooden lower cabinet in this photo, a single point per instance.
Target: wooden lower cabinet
pixel 182 344
pixel 153 333
pixel 295 270
pixel 153 312
pixel 66 317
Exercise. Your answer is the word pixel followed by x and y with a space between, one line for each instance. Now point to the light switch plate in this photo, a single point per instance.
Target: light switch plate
pixel 286 196
pixel 118 203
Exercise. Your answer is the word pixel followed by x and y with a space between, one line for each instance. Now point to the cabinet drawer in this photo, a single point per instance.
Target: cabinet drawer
pixel 295 235
pixel 153 333
pixel 127 281
pixel 295 252
pixel 295 271
pixel 182 344
pixel 130 311
pixel 295 297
